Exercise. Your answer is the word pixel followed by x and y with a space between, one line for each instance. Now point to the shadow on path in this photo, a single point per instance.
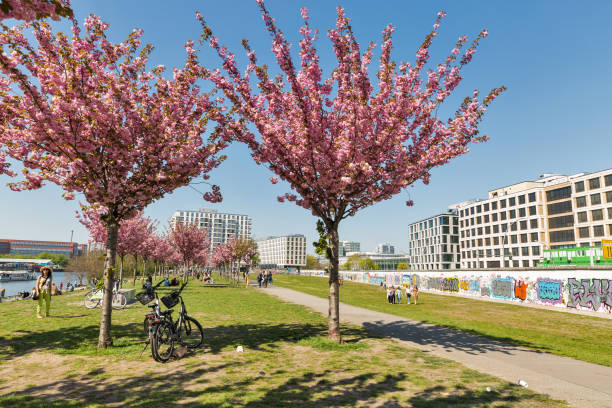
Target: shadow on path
pixel 448 339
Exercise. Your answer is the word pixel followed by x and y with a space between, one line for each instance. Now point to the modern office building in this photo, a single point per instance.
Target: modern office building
pixel 221 227
pixel 383 262
pixel 434 242
pixel 345 247
pixel 513 226
pixel 282 252
pixel 30 247
pixel 385 249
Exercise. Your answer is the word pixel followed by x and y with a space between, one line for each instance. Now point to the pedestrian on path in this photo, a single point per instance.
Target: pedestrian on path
pixel 415 293
pixel 398 295
pixel 407 295
pixel 390 294
pixel 43 291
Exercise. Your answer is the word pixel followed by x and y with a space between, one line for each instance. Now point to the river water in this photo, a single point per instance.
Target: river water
pixel 13 287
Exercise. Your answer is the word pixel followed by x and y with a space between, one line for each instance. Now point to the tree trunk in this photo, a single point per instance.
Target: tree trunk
pixel 334 288
pixel 135 268
pixel 121 271
pixel 104 339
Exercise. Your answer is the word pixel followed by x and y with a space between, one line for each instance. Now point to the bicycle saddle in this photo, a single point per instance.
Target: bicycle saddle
pixel 167 312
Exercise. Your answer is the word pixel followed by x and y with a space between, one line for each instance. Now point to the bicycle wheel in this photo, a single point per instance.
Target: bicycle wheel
pixel 119 301
pixel 91 300
pixel 191 333
pixel 162 344
pixel 146 327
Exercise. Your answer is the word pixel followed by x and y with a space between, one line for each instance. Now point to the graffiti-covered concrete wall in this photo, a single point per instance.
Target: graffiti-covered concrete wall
pixel 579 289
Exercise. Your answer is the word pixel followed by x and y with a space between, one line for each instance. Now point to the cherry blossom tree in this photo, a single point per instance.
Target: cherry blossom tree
pixel 29 10
pixel 189 241
pixel 133 237
pixel 84 113
pixel 346 142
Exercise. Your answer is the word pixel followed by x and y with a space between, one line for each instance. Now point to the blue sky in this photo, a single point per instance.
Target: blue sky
pixel 552 55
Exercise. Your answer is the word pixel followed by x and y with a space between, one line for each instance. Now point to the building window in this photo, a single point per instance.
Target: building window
pixel 610 229
pixel 595 199
pixel 496 226
pixel 486 217
pixel 559 193
pixel 609 196
pixel 523 225
pixel 532 197
pixel 522 212
pixel 533 223
pixel 487 241
pixel 534 237
pixel 525 251
pixel 535 250
pixel 562 235
pixel 502 215
pixel 514 239
pixel 608 180
pixel 563 206
pixel 597 215
pixel 513 226
pixel 583 232
pixel 582 216
pixel 502 203
pixel 495 240
pixel 511 201
pixel 581 201
pixel 486 206
pixel 610 213
pixel 579 187
pixel 598 231
pixel 494 205
pixel 494 216
pixel 515 251
pixel 524 238
pixel 488 229
pixel 472 211
pixel 593 183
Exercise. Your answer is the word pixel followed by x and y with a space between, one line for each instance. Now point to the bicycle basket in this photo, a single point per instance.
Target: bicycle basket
pixel 170 300
pixel 144 297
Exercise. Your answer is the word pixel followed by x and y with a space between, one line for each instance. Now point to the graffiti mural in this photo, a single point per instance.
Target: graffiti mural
pixel 550 290
pixel 579 289
pixel 589 293
pixel 520 289
pixel 450 285
pixel 435 283
pixel 502 288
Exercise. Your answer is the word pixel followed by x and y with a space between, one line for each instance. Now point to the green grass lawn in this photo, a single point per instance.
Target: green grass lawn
pixel 288 361
pixel 578 336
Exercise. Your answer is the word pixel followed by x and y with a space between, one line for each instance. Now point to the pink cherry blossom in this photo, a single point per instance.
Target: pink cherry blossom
pixel 86 114
pixel 346 141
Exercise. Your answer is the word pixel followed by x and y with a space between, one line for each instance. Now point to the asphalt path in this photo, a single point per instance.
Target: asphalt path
pixel 579 383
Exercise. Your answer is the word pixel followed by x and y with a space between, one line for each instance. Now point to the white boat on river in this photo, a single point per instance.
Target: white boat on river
pixel 7 276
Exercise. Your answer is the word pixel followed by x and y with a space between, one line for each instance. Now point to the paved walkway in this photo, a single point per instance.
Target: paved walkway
pixel 581 384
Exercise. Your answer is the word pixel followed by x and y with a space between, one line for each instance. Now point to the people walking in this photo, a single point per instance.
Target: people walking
pixel 43 291
pixel 415 293
pixel 390 294
pixel 398 295
pixel 407 295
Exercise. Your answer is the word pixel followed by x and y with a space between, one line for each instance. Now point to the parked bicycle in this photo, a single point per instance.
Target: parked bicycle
pixel 163 332
pixel 94 298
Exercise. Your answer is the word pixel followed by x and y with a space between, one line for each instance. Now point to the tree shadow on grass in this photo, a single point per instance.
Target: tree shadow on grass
pixel 66 339
pixel 502 396
pixel 199 388
pixel 250 336
pixel 448 339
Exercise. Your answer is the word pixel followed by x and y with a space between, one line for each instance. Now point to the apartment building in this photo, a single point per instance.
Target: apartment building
pixel 516 223
pixel 282 252
pixel 348 246
pixel 434 242
pixel 222 227
pixel 385 248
